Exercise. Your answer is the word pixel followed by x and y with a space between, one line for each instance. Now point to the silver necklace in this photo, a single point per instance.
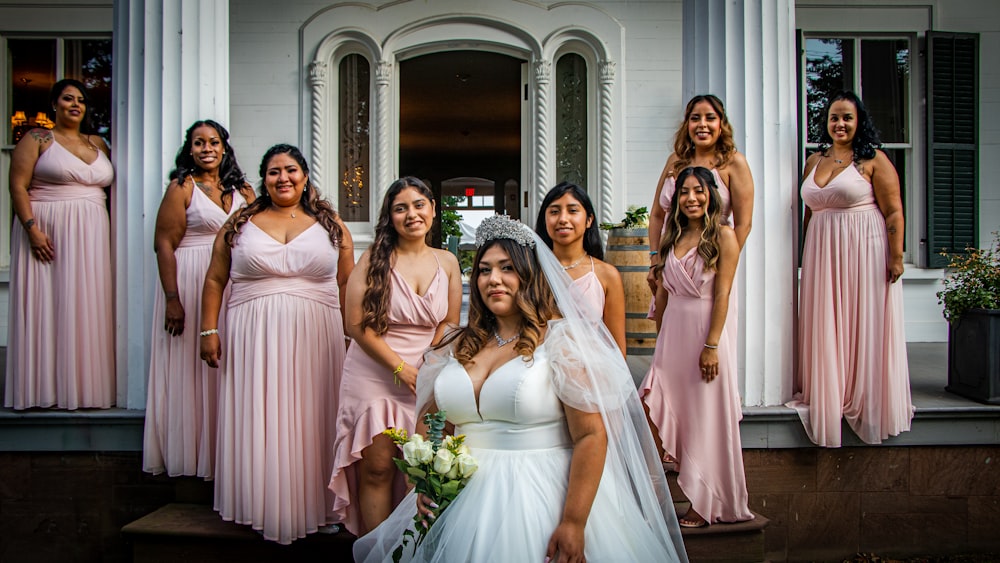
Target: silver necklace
pixel 501 342
pixel 575 264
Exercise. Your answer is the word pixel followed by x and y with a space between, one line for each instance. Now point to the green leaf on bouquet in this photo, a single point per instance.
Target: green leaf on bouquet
pixel 416 472
pixel 450 489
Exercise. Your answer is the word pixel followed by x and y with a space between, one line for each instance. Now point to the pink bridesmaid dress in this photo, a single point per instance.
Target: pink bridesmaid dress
pixel 588 287
pixel 698 422
pixel 61 347
pixel 370 401
pixel 852 361
pixel 282 353
pixel 183 392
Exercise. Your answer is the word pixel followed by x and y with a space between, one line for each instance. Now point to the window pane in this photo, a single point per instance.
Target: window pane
pixel 355 86
pixel 885 80
pixel 571 120
pixel 89 61
pixel 33 72
pixel 829 68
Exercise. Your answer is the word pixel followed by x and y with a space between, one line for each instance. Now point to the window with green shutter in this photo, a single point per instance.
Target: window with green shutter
pixel 952 143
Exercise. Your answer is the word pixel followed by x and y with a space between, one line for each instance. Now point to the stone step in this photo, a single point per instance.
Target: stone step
pixel 194 532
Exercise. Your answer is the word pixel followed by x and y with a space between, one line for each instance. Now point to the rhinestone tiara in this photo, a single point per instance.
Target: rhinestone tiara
pixel 502 226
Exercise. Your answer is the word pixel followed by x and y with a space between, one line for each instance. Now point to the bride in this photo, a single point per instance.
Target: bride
pixel 567 466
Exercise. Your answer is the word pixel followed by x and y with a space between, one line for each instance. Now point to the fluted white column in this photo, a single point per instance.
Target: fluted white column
pixel 750 63
pixel 543 78
pixel 171 68
pixel 607 80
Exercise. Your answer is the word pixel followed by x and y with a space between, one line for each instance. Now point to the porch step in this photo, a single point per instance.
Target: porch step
pixel 194 532
pixel 742 542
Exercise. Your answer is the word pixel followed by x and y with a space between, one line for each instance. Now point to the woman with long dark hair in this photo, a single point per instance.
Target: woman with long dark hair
pixel 206 187
pixel 400 298
pixel 852 361
pixel 566 224
pixel 691 391
pixel 288 255
pixel 61 348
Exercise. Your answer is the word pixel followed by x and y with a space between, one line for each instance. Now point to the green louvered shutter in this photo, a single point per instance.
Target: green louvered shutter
pixel 953 143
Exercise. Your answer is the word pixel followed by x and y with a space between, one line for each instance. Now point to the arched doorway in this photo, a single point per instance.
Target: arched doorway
pixel 460 116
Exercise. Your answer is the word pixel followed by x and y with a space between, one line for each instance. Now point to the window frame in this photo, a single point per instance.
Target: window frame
pixel 913 191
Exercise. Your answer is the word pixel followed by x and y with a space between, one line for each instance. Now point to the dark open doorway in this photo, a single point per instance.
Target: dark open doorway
pixel 460 116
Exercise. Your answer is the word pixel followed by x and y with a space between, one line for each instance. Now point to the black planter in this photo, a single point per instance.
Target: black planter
pixel 974 356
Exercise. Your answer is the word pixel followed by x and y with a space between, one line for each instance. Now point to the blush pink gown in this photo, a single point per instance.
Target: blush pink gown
pixel 60 351
pixel 698 422
pixel 183 392
pixel 282 355
pixel 370 401
pixel 588 287
pixel 852 358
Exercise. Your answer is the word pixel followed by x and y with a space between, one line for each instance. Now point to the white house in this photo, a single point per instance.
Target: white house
pixel 524 93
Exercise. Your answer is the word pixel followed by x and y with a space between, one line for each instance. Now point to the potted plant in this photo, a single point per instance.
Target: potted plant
pixel 971 300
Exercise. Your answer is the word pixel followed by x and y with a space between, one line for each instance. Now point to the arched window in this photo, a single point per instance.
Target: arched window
pixel 571 119
pixel 354 163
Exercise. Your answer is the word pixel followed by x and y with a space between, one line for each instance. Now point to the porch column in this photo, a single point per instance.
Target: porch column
pixel 606 70
pixel 317 87
pixel 749 62
pixel 171 68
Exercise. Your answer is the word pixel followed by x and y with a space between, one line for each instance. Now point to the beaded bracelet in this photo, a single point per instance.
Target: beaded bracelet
pixel 209 332
pixel 397 371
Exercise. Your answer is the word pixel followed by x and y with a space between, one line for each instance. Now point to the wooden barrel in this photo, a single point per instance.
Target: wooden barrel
pixel 628 250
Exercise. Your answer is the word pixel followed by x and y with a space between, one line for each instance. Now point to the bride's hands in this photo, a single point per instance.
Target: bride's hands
pixel 425 506
pixel 566 544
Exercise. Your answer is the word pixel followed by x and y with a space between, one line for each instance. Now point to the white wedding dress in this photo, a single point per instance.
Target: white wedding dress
pixel 513 503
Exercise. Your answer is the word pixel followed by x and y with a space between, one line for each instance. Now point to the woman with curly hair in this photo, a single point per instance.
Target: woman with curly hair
pixel 206 187
pixel 705 139
pixel 852 361
pixel 691 392
pixel 399 300
pixel 288 255
pixel 549 411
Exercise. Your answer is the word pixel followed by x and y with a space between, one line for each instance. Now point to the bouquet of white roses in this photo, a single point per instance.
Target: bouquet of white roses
pixel 439 467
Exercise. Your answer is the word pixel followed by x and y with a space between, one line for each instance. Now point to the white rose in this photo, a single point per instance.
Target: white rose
pixel 443 461
pixel 466 465
pixel 463 450
pixel 416 451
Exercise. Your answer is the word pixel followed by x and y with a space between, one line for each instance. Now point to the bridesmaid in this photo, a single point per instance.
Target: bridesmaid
pixel 852 361
pixel 705 138
pixel 691 391
pixel 206 186
pixel 399 300
pixel 567 225
pixel 61 349
pixel 288 255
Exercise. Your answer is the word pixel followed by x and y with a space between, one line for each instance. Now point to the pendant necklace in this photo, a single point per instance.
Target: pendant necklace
pixel 501 342
pixel 575 264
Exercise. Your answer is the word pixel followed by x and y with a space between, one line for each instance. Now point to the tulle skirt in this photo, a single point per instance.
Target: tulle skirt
pixel 508 511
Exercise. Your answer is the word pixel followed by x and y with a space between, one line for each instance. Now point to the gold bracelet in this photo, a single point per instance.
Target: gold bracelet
pixel 397 371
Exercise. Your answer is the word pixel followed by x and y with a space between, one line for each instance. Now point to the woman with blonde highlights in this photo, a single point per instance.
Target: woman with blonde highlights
pixel 691 391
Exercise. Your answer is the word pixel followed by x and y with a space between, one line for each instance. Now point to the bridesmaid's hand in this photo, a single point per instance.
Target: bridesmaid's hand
pixel 895 269
pixel 173 317
pixel 709 363
pixel 211 350
pixel 41 245
pixel 409 377
pixel 566 544
pixel 651 280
